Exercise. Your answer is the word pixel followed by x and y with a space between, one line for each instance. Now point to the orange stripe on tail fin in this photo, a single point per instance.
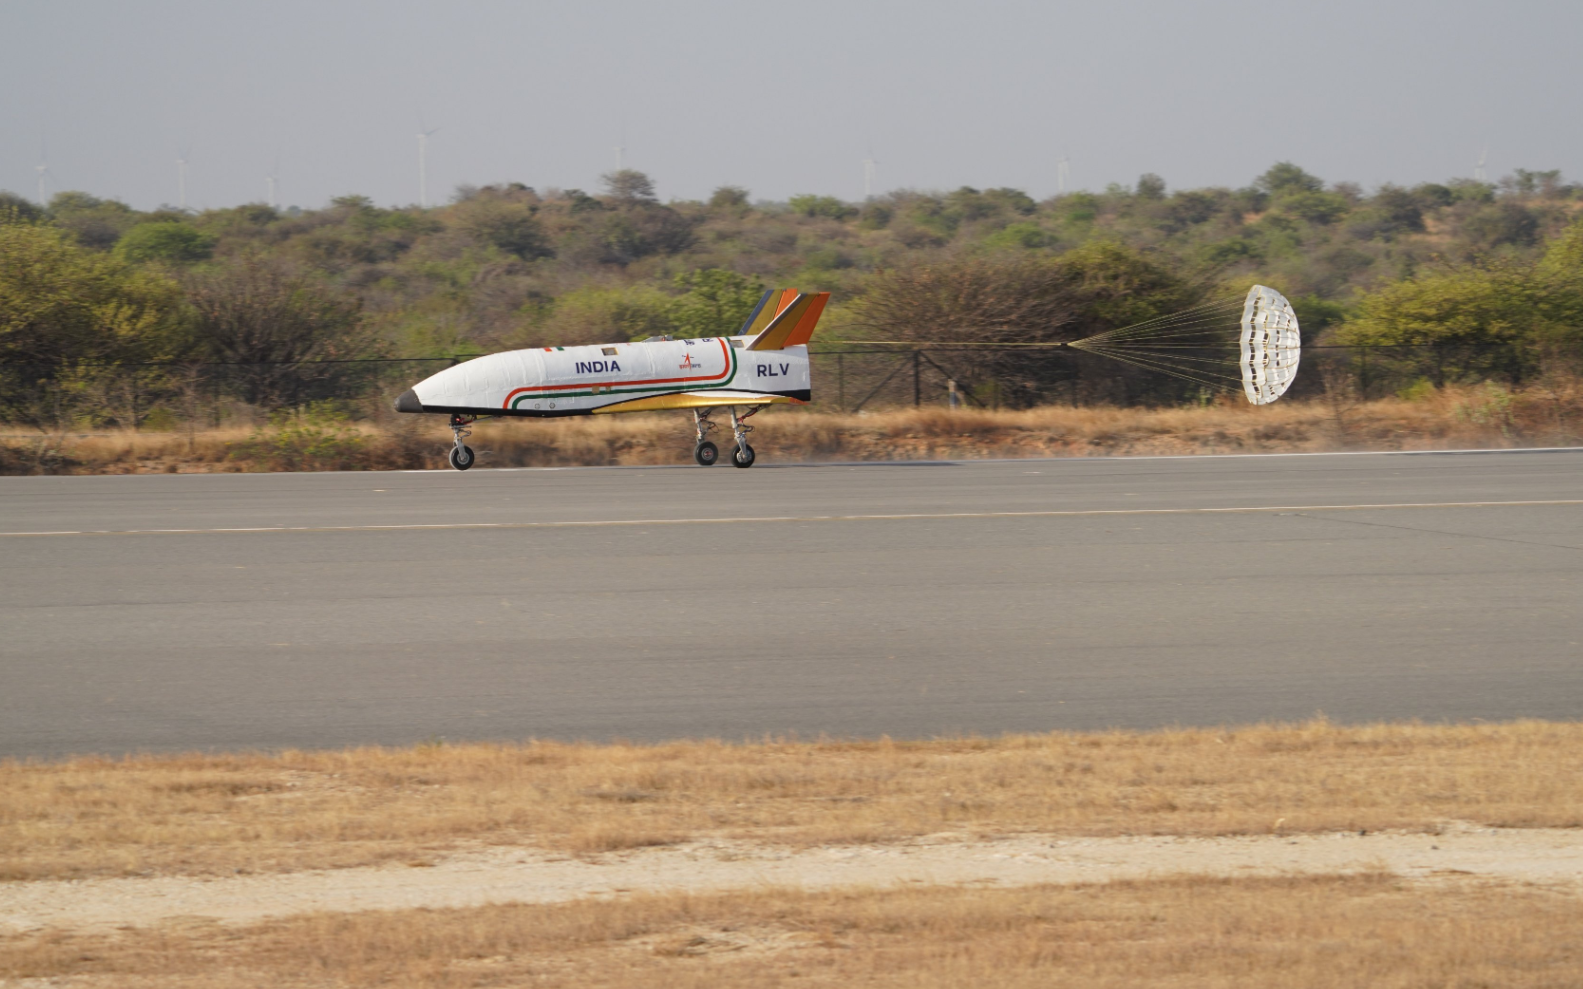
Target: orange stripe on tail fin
pixel 803 331
pixel 794 325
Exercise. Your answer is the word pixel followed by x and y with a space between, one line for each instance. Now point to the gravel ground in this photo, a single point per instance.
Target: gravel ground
pixel 1551 857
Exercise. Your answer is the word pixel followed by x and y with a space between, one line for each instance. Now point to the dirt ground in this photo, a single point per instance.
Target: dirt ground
pixel 1551 858
pixel 1449 418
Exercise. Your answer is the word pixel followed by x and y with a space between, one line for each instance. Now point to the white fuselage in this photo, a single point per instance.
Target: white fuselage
pixel 619 377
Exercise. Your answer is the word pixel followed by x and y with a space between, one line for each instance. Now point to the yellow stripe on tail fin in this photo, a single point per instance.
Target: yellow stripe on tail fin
pixel 793 326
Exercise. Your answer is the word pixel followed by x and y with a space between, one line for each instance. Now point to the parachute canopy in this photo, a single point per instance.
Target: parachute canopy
pixel 1270 345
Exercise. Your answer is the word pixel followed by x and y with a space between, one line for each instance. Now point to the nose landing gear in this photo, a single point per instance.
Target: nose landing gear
pixel 461 455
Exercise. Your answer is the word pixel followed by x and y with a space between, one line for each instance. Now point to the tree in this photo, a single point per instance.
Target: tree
pixel 624 236
pixel 1116 286
pixel 825 206
pixel 976 300
pixel 270 320
pixel 15 209
pixel 94 222
pixel 1502 223
pixel 69 314
pixel 1457 324
pixel 1402 211
pixel 1016 200
pixel 63 303
pixel 169 243
pixel 601 315
pixel 629 187
pixel 1151 186
pixel 716 302
pixel 506 225
pixel 1315 207
pixel 729 197
pixel 1466 322
pixel 1285 179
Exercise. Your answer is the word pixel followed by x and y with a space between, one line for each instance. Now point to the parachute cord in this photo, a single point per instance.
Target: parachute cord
pixel 1216 361
pixel 1204 307
pixel 1203 320
pixel 1195 375
pixel 1207 311
pixel 1150 361
pixel 1167 329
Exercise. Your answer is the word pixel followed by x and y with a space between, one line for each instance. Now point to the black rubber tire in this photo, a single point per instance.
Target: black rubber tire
pixel 743 456
pixel 706 453
pixel 461 459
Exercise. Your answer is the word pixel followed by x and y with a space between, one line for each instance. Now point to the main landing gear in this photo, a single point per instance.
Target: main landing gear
pixel 706 453
pixel 461 456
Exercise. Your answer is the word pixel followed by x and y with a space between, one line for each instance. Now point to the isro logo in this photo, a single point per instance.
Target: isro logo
pixel 688 363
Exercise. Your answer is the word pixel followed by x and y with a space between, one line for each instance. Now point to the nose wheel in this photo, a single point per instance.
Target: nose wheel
pixel 461 455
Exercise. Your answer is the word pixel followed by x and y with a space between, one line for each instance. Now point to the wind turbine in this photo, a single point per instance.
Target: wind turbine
pixel 181 177
pixel 868 175
pixel 1063 172
pixel 1478 170
pixel 423 163
pixel 621 149
pixel 269 181
pixel 43 169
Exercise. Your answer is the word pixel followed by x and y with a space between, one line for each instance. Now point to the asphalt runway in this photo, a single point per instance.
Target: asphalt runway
pixel 235 611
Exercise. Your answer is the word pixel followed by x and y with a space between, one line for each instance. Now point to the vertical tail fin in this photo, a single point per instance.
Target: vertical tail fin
pixel 784 318
pixel 770 305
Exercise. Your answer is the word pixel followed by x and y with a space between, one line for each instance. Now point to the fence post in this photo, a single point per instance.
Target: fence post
pixel 840 381
pixel 917 378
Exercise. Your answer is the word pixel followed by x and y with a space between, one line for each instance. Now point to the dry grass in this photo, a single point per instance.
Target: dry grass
pixel 1452 417
pixel 201 814
pixel 1368 930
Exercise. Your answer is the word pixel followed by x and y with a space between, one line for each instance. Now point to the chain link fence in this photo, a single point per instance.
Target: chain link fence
pixel 847 379
pixel 857 378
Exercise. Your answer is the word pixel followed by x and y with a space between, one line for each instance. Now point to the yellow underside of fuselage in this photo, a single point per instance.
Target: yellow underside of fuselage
pixel 690 400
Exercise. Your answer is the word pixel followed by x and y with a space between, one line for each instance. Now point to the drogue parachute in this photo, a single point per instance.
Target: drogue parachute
pixel 1195 344
pixel 1271 345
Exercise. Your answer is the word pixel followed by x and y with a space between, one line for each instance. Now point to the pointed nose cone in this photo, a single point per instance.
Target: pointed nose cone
pixel 408 402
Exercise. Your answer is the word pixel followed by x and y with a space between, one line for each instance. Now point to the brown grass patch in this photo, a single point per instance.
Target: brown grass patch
pixel 208 814
pixel 1452 417
pixel 1369 930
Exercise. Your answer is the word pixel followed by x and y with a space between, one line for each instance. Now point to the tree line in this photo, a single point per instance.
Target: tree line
pixel 1465 279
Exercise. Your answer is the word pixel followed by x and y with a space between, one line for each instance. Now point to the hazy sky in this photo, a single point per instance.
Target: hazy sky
pixel 782 98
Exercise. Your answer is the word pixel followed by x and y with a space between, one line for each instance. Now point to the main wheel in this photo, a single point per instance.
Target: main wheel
pixel 706 453
pixel 743 456
pixel 461 458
